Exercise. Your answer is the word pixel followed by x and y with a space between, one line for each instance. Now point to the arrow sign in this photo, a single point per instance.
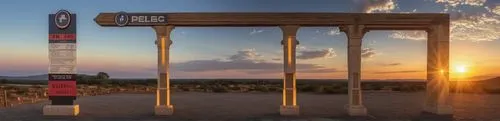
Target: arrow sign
pixel 131 19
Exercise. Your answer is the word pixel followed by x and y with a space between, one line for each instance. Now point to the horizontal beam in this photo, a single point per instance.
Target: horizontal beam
pixel 276 19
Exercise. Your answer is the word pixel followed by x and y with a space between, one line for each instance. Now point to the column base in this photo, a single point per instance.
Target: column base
pixel 439 110
pixel 359 110
pixel 289 110
pixel 164 110
pixel 61 110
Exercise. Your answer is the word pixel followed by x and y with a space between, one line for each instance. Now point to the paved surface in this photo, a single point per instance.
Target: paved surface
pixel 262 107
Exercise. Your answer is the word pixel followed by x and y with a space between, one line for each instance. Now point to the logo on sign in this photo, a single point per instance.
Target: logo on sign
pixel 62 19
pixel 121 19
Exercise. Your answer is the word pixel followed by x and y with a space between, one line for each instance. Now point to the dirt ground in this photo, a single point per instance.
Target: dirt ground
pixel 262 106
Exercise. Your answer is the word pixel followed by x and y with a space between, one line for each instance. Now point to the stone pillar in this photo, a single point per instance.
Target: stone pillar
pixel 163 105
pixel 289 43
pixel 354 35
pixel 437 93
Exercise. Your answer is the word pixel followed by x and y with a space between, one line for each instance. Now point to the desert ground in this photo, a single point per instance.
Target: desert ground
pixel 263 106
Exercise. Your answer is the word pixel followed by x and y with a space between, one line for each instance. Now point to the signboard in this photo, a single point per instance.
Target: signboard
pixel 140 19
pixel 62 57
pixel 62 88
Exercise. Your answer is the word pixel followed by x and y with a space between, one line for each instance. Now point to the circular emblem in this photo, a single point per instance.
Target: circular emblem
pixel 62 19
pixel 121 19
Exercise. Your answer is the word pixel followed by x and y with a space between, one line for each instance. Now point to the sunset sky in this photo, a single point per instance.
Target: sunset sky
pixel 250 52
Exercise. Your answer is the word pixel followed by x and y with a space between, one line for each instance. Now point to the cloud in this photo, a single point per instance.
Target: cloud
pixel 334 31
pixel 373 6
pixel 495 9
pixel 368 53
pixel 313 54
pixel 485 27
pixel 323 70
pixel 392 72
pixel 299 70
pixel 409 35
pixel 455 3
pixel 246 60
pixel 246 54
pixel 256 31
pixel 390 64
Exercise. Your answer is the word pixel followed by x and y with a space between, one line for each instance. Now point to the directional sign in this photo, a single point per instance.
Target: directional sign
pixel 138 19
pixel 62 58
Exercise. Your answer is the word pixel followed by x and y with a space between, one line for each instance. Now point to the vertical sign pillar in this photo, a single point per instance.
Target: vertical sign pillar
pixel 289 43
pixel 62 66
pixel 163 105
pixel 437 93
pixel 355 34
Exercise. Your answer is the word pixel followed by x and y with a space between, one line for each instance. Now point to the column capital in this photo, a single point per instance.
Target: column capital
pixel 163 32
pixel 355 31
pixel 289 30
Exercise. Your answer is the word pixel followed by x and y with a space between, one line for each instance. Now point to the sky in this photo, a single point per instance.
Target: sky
pixel 249 52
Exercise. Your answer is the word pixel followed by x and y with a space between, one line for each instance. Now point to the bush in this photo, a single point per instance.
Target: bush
pixel 332 90
pixel 261 88
pixel 308 88
pixel 220 89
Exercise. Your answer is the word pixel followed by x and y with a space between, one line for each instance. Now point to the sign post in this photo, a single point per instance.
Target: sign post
pixel 62 68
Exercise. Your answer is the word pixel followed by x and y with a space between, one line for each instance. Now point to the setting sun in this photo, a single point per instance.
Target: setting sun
pixel 461 68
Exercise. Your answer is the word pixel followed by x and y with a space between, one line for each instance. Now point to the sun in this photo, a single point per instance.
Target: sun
pixel 461 68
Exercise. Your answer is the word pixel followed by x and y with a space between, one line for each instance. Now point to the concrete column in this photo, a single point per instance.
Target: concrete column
pixel 289 43
pixel 354 35
pixel 437 93
pixel 163 105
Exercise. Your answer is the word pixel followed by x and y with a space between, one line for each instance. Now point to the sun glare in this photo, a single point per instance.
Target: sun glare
pixel 461 69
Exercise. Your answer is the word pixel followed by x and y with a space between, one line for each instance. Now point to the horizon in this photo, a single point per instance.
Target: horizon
pixel 251 52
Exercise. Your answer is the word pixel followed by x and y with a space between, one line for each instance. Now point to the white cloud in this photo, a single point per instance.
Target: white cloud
pixel 313 54
pixel 454 3
pixel 333 31
pixel 476 28
pixel 409 35
pixel 496 10
pixel 374 6
pixel 368 53
pixel 256 31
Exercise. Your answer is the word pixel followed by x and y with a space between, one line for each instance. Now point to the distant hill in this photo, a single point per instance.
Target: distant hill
pixel 32 77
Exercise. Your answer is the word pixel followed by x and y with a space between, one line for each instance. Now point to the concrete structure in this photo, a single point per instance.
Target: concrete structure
pixel 355 25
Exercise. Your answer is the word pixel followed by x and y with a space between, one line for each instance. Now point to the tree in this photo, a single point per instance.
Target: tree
pixel 102 76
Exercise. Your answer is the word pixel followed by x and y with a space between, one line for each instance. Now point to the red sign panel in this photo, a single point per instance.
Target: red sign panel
pixel 62 88
pixel 54 37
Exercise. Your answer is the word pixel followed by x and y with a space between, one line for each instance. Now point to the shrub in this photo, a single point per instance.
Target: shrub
pixel 261 88
pixel 220 89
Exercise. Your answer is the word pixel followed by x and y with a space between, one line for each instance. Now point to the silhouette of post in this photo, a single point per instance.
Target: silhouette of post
pixel 355 35
pixel 289 43
pixel 437 92
pixel 163 105
pixel 5 104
